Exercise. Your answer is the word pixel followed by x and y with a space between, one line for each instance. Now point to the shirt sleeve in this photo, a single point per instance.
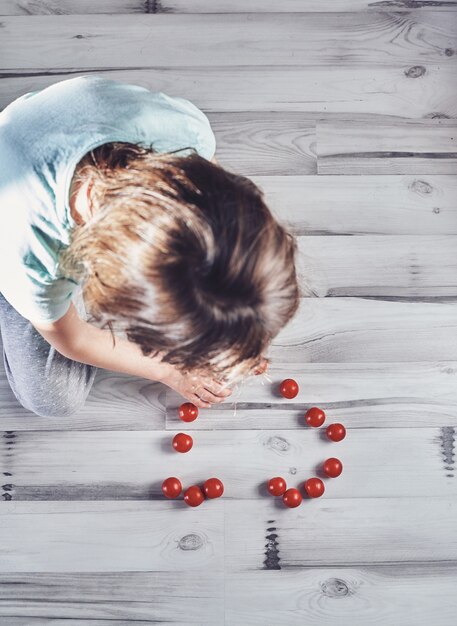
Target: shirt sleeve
pixel 172 122
pixel 206 140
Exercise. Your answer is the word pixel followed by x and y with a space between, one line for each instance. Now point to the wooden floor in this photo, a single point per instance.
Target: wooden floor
pixel 345 113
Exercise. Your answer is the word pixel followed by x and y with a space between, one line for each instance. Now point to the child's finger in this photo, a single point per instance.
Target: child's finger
pixel 199 402
pixel 217 388
pixel 205 394
pixel 262 367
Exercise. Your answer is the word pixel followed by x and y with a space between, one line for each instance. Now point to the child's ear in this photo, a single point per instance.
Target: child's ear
pixel 213 160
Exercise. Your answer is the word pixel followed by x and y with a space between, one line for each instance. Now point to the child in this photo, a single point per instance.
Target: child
pixel 126 246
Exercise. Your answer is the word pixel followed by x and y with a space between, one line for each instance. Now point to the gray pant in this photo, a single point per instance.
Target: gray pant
pixel 43 380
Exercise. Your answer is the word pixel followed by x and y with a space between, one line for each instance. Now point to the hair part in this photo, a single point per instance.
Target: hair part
pixel 182 257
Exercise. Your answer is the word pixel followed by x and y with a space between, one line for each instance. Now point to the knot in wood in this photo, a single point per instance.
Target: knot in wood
pixel 190 542
pixel 335 588
pixel 278 443
pixel 415 71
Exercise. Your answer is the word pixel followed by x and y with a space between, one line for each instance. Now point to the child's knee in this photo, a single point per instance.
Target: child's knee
pixel 55 406
pixel 60 400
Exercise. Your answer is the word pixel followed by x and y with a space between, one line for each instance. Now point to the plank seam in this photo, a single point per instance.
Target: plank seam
pixel 153 6
pixel 9 437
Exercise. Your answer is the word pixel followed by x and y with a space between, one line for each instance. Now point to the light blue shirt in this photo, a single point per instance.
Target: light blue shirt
pixel 43 135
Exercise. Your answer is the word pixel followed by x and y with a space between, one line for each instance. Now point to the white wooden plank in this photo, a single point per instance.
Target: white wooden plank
pixel 363 205
pixel 401 595
pixel 98 536
pixel 346 330
pixel 107 465
pixel 365 38
pixel 394 395
pixel 378 265
pixel 338 330
pixel 362 395
pixel 46 621
pixel 50 621
pixel 419 594
pixel 87 7
pixel 299 6
pixel 111 537
pixel 415 91
pixel 116 401
pixel 70 7
pixel 413 147
pixel 125 597
pixel 379 330
pixel 266 143
pixel 340 533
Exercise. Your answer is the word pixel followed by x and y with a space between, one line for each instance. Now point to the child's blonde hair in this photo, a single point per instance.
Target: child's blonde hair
pixel 182 257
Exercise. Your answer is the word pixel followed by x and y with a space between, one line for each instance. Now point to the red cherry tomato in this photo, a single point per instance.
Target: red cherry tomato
pixel 277 486
pixel 193 496
pixel 292 498
pixel 182 442
pixel 171 487
pixel 288 388
pixel 315 417
pixel 332 467
pixel 314 487
pixel 188 412
pixel 336 432
pixel 213 488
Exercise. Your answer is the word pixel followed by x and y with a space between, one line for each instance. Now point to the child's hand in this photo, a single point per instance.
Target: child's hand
pixel 201 389
pixel 262 367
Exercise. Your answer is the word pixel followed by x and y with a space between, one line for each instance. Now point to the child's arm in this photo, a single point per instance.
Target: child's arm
pixel 80 341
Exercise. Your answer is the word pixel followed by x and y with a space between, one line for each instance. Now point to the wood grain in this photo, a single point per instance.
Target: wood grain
pixel 145 536
pixel 288 597
pixel 340 533
pixel 266 143
pixel 123 402
pixel 44 621
pixel 131 466
pixel 88 7
pixel 419 146
pixel 330 92
pixel 378 265
pixel 116 598
pixel 347 330
pixel 111 537
pixel 371 395
pixel 361 395
pixel 325 330
pixel 363 205
pixel 122 41
pixel 402 595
